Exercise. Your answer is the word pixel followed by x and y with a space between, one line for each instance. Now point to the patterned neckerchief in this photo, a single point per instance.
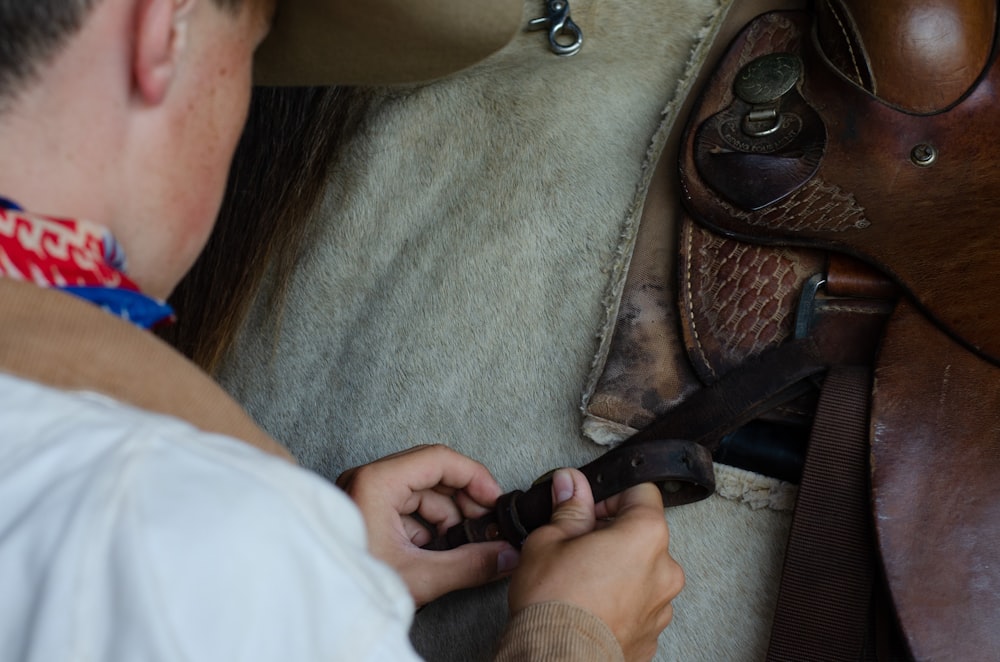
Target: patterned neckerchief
pixel 77 257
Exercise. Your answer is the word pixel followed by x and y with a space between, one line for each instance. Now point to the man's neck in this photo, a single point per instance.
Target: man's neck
pixel 63 132
pixel 56 158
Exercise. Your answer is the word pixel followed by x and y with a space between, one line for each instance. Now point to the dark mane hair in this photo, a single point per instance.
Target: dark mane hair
pixel 291 138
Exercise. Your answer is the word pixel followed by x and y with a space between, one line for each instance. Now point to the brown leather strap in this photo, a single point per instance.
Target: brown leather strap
pixel 763 382
pixel 825 594
pixel 682 468
pixel 674 451
pixel 59 340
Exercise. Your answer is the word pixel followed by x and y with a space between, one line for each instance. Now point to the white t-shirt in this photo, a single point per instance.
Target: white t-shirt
pixel 126 535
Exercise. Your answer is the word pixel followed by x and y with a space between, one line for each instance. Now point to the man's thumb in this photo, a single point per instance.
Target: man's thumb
pixel 465 566
pixel 572 503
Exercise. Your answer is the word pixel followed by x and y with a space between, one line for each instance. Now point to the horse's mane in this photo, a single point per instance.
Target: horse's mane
pixel 279 169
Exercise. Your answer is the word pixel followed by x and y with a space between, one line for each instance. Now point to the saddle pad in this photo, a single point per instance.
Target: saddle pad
pixel 643 368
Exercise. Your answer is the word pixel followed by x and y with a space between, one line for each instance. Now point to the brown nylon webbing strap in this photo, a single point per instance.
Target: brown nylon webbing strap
pixel 826 584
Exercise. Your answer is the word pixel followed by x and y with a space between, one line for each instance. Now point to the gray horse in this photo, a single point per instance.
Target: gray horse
pixel 458 275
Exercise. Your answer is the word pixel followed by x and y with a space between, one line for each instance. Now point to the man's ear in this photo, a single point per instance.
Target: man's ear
pixel 160 29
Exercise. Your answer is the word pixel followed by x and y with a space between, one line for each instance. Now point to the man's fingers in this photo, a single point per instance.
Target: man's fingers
pixel 438 510
pixel 470 508
pixel 416 531
pixel 438 465
pixel 642 496
pixel 344 479
pixel 677 578
pixel 568 560
pixel 397 476
pixel 572 506
pixel 463 567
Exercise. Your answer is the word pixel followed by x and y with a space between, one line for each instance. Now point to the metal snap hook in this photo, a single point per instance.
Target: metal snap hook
pixel 560 26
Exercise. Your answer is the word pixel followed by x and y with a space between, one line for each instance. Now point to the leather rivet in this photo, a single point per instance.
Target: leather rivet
pixel 923 155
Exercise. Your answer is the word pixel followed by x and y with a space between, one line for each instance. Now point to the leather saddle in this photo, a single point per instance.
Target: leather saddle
pixel 838 174
pixel 869 130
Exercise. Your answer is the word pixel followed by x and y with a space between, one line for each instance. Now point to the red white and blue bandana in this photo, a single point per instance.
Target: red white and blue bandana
pixel 77 257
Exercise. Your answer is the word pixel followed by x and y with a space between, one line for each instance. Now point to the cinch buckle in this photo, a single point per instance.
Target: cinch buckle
pixel 806 310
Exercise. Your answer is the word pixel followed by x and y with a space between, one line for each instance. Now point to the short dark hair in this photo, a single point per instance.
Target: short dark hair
pixel 33 31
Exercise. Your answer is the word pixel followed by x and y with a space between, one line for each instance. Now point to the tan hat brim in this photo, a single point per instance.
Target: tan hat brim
pixel 380 42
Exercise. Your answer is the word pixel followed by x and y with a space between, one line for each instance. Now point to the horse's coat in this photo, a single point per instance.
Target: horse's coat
pixel 468 255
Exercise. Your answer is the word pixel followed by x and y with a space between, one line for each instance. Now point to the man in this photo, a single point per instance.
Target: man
pixel 134 524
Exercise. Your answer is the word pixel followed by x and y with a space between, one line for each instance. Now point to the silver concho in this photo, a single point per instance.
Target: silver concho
pixel 768 78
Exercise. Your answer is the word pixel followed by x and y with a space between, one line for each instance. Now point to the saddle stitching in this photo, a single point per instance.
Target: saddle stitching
pixel 689 290
pixel 847 308
pixel 835 12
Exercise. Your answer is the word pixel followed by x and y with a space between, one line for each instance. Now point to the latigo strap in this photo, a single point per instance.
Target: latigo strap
pixel 682 467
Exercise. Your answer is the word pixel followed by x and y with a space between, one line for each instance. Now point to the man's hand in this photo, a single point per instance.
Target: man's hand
pixel 611 559
pixel 441 487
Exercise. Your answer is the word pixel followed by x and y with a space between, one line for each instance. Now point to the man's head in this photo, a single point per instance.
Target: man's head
pixel 32 32
pixel 192 76
pixel 127 112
